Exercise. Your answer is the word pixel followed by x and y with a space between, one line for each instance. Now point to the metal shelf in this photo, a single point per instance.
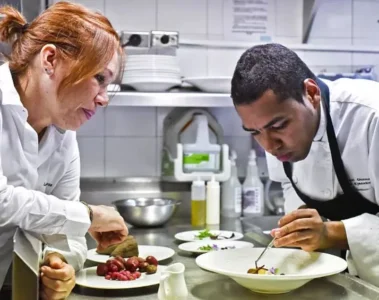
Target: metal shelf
pixel 295 47
pixel 170 99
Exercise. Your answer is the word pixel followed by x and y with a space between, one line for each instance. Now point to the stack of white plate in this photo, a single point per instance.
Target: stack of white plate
pixel 151 73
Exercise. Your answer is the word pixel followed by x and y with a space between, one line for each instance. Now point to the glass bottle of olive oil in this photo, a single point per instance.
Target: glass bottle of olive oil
pixel 198 203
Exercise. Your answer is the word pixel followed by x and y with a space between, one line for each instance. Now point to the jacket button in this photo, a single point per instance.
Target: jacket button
pixel 327 193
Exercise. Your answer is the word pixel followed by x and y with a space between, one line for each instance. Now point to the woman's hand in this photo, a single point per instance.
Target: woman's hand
pixel 108 227
pixel 57 278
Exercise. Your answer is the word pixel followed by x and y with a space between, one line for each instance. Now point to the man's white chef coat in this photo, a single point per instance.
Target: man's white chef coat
pixel 39 182
pixel 354 109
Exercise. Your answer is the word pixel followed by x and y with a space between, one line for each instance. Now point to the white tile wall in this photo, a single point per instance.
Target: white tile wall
pixel 98 5
pixel 130 121
pixel 183 16
pixel 126 141
pixel 316 60
pixel 287 40
pixel 289 19
pixel 126 156
pixel 365 42
pixel 215 18
pixel 333 19
pixel 95 126
pixel 229 121
pixel 132 14
pixel 222 62
pixel 193 61
pixel 92 156
pixel 242 146
pixel 365 18
pixel 329 41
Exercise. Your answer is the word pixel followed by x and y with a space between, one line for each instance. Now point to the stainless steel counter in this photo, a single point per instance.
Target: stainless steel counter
pixel 208 286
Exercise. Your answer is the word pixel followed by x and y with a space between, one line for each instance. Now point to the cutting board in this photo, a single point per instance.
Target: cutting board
pixel 27 257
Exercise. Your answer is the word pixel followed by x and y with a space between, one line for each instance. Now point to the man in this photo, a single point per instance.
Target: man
pixel 322 143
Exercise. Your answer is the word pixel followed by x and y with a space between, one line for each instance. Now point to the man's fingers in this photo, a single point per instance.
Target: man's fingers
pixel 111 238
pixel 296 225
pixel 63 274
pixel 49 294
pixel 294 238
pixel 55 262
pixel 55 285
pixel 297 214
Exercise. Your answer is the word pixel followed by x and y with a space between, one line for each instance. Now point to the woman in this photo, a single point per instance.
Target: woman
pixel 55 78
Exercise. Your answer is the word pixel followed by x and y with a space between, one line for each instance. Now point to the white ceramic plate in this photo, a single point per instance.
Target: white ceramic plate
pixel 298 266
pixel 88 278
pixel 190 236
pixel 160 253
pixel 220 84
pixel 148 73
pixel 151 56
pixel 152 84
pixel 148 69
pixel 194 246
pixel 154 76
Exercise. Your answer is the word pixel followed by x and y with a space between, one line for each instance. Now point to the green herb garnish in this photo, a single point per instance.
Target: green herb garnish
pixel 206 248
pixel 207 234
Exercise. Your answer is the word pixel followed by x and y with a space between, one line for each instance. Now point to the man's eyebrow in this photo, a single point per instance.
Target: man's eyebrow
pixel 248 129
pixel 269 124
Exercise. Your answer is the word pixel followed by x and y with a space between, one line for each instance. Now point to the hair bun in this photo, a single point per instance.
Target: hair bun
pixel 24 27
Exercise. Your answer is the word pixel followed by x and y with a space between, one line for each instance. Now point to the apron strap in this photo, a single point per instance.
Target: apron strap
pixel 338 165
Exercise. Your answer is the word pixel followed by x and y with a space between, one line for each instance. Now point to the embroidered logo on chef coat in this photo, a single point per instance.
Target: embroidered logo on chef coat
pixel 361 183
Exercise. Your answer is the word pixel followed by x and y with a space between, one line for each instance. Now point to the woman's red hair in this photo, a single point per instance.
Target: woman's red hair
pixel 85 40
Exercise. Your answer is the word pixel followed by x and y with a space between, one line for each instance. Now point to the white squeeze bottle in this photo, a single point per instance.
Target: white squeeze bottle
pixel 213 202
pixel 231 192
pixel 252 190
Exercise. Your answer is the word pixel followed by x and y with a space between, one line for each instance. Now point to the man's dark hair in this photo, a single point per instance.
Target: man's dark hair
pixel 269 67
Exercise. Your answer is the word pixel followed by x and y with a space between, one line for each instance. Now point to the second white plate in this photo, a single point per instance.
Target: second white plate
pixel 191 236
pixel 217 245
pixel 160 253
pixel 88 278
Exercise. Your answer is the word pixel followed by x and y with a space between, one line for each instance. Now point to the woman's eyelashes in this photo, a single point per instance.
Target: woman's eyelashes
pixel 100 78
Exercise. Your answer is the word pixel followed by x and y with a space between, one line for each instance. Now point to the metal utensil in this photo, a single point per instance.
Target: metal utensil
pixel 263 252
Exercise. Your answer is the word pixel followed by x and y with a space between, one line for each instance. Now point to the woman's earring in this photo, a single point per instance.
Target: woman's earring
pixel 49 72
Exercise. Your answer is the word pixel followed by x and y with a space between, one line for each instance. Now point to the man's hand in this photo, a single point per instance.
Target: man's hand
pixel 108 227
pixel 305 229
pixel 57 278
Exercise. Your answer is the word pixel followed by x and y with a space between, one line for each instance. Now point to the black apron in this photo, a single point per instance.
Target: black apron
pixel 344 206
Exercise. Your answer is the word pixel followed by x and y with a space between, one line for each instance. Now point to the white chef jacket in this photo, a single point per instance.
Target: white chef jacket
pixel 39 182
pixel 354 110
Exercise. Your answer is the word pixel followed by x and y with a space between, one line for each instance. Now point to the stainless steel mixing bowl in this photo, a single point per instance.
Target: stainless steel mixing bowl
pixel 146 212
